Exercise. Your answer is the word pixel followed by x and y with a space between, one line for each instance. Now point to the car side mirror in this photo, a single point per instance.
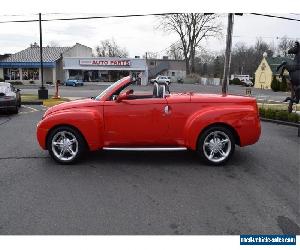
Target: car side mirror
pixel 124 96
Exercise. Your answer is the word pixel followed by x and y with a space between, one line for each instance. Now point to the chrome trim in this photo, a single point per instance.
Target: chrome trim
pixel 145 149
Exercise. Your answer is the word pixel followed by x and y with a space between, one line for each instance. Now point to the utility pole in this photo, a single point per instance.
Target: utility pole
pixel 227 53
pixel 42 92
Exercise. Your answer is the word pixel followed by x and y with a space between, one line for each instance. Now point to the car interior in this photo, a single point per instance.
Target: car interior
pixel 159 91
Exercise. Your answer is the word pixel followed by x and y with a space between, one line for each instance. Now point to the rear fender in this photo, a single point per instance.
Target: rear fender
pixel 238 118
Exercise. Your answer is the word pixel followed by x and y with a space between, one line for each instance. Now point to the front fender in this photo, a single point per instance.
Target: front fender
pixel 89 122
pixel 244 120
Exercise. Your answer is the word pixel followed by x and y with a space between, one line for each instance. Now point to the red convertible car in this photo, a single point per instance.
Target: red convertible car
pixel 119 119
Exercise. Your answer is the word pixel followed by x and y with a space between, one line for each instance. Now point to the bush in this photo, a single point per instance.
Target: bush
pixel 275 85
pixel 192 78
pixel 293 117
pixel 283 85
pixel 235 81
pixel 17 83
pixel 281 115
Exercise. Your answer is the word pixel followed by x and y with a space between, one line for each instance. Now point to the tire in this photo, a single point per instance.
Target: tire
pixel 210 146
pixel 74 84
pixel 77 147
pixel 15 110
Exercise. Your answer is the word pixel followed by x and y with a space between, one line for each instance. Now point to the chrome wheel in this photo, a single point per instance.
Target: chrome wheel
pixel 64 145
pixel 217 146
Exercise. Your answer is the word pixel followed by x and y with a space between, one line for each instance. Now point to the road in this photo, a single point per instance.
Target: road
pixel 147 192
pixel 91 89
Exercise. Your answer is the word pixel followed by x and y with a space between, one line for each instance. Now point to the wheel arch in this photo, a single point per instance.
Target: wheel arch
pixel 70 126
pixel 220 124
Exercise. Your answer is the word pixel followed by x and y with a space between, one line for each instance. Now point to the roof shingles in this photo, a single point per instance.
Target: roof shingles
pixel 274 62
pixel 32 54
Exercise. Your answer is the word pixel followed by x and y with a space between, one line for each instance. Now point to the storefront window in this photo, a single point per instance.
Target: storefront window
pixel 30 74
pixel 12 74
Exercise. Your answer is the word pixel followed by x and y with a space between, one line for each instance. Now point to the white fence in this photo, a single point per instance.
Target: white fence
pixel 210 81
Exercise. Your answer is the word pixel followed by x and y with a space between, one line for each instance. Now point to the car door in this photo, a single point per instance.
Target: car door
pixel 138 122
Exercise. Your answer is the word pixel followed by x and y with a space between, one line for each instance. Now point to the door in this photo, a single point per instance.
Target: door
pixel 138 122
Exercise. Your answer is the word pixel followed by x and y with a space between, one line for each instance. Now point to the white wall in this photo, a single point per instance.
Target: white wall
pixel 79 50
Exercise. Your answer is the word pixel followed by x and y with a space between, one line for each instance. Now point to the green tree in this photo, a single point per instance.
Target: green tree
pixel 275 84
pixel 283 84
pixel 217 67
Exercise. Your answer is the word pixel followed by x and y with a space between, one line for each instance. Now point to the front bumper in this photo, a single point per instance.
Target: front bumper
pixel 8 103
pixel 41 134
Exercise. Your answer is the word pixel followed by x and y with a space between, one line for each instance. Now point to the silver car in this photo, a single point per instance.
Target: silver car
pixel 10 98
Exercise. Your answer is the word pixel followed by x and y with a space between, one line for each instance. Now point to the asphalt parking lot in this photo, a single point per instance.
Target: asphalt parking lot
pixel 147 193
pixel 93 89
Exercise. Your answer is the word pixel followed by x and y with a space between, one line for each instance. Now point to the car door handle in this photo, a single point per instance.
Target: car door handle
pixel 166 109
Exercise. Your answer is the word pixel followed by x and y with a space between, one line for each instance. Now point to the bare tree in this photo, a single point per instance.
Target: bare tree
pixel 175 52
pixel 53 43
pixel 284 45
pixel 191 28
pixel 109 48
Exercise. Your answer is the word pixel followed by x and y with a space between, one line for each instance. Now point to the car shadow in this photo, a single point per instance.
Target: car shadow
pixel 185 159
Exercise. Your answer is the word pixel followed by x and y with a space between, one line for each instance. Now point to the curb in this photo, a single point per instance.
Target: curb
pixel 32 103
pixel 291 124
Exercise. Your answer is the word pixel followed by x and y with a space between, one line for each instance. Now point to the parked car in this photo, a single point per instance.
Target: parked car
pixel 161 80
pixel 119 119
pixel 247 83
pixel 74 81
pixel 10 97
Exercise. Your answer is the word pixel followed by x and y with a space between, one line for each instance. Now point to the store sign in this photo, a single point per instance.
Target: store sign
pixel 97 62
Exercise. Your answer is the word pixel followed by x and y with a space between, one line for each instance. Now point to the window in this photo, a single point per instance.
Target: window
pixel 152 63
pixel 30 74
pixel 173 73
pixel 12 74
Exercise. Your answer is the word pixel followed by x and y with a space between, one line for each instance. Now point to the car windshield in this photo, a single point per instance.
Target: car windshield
pixel 108 89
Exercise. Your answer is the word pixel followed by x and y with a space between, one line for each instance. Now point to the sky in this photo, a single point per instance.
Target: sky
pixel 137 34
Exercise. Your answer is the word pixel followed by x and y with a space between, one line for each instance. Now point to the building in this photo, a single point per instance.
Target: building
pixel 267 70
pixel 105 69
pixel 24 66
pixel 176 69
pixel 62 63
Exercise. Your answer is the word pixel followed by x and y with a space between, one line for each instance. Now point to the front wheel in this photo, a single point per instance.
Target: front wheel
pixel 216 145
pixel 65 145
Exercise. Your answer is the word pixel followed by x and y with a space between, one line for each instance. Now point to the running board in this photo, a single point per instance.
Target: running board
pixel 145 149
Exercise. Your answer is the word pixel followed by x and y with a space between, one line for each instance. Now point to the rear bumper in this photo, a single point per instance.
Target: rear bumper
pixel 250 133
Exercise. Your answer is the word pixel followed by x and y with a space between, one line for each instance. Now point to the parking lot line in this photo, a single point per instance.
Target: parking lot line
pixel 31 110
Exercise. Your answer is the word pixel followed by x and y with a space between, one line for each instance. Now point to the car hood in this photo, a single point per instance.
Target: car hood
pixel 72 105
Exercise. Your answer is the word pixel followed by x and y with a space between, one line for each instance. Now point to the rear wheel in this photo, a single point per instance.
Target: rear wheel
pixel 216 145
pixel 65 145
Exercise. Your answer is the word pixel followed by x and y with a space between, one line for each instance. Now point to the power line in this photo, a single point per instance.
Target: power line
pixel 87 18
pixel 279 17
pixel 123 16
